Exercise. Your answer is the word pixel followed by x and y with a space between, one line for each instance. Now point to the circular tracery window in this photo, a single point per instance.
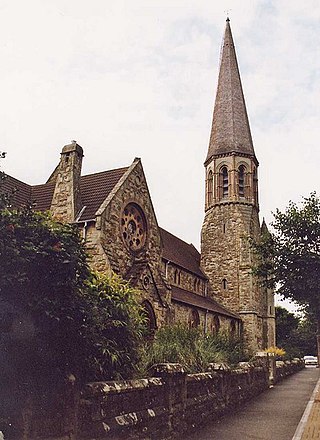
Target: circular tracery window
pixel 133 227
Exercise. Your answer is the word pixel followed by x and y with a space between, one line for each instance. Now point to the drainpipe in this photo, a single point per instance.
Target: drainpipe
pixel 84 231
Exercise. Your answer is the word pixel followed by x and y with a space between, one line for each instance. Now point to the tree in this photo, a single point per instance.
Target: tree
pixel 296 335
pixel 290 255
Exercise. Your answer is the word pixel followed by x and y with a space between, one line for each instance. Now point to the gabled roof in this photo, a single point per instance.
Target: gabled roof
pixel 21 191
pixel 230 125
pixel 202 302
pixel 94 190
pixel 181 253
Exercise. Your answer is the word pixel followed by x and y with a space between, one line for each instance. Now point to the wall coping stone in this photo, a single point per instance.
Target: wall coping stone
pixel 99 389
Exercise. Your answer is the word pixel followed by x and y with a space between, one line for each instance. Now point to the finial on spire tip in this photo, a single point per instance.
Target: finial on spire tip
pixel 228 19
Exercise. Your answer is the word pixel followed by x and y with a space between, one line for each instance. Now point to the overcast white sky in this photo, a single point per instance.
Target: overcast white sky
pixel 137 78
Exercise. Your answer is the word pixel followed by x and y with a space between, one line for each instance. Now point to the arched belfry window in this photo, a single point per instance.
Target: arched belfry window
pixel 241 180
pixel 210 187
pixel 224 284
pixel 224 181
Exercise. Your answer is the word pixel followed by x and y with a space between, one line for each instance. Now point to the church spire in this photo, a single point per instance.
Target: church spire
pixel 230 131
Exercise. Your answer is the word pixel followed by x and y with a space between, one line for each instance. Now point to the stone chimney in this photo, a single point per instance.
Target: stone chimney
pixel 66 200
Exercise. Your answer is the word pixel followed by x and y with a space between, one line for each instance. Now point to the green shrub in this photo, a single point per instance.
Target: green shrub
pixel 83 323
pixel 189 347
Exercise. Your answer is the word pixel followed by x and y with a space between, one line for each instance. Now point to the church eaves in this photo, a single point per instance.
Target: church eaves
pixel 230 131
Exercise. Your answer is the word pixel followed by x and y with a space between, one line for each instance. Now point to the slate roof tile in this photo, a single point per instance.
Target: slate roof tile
pixel 181 253
pixel 203 302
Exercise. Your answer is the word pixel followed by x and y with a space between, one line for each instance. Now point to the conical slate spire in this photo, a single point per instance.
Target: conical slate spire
pixel 230 126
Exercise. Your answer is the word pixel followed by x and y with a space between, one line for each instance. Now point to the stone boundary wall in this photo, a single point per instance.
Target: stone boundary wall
pixel 161 407
pixel 171 402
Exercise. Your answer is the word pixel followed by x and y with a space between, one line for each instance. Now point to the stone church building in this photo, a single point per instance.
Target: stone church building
pixel 214 289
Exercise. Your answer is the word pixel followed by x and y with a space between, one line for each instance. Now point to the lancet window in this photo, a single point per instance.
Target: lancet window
pixel 225 182
pixel 210 187
pixel 241 180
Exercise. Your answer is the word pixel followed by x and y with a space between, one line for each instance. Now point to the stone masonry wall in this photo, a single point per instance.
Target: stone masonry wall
pixel 227 260
pixel 170 403
pixel 121 258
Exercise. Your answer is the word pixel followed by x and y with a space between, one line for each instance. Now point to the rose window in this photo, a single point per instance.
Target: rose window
pixel 133 227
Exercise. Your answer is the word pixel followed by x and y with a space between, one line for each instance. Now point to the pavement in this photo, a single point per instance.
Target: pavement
pixel 309 426
pixel 284 412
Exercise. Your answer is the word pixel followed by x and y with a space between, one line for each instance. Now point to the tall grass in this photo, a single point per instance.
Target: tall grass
pixel 190 347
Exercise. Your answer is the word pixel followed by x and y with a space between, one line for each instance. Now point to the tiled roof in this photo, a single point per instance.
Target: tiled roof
pixel 203 302
pixel 42 196
pixel 94 190
pixel 21 191
pixel 181 253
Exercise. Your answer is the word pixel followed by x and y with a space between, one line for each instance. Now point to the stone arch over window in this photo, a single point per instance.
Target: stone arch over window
pixel 194 319
pixel 241 180
pixel 210 188
pixel 151 317
pixel 224 284
pixel 224 182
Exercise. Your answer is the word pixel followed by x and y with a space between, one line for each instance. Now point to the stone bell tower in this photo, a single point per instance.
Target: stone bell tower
pixel 232 207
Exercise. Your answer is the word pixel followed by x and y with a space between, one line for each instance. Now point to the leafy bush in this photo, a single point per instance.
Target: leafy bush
pixel 80 323
pixel 189 347
pixel 114 328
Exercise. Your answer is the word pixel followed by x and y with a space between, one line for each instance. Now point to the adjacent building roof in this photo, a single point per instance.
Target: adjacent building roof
pixel 181 253
pixel 230 126
pixel 202 302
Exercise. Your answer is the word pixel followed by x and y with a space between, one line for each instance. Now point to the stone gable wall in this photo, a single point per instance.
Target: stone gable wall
pixel 121 259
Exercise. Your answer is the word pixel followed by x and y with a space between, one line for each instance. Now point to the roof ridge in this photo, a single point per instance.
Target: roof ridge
pixel 105 171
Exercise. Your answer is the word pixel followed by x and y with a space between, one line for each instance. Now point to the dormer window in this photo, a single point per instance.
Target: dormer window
pixel 241 180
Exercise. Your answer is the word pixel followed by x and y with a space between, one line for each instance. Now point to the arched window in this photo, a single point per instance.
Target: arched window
pixel 194 319
pixel 177 276
pixel 210 187
pixel 224 182
pixel 232 329
pixel 255 185
pixel 224 284
pixel 241 180
pixel 151 318
pixel 216 325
